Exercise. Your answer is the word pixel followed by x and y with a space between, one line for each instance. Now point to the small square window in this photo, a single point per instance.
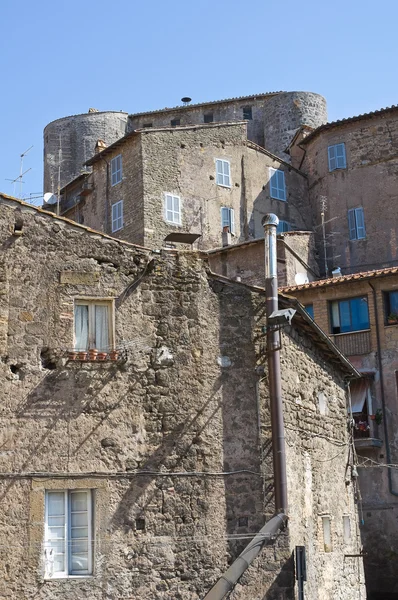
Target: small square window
pixel 208 118
pixel 336 157
pixel 93 325
pixel 223 172
pixel 175 122
pixel 351 314
pixel 247 113
pixel 277 184
pixel 117 216
pixel 356 224
pixel 391 307
pixel 228 219
pixel 116 169
pixel 172 209
pixel 68 541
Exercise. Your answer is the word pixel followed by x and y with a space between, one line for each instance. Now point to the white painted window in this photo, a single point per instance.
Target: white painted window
pixel 277 184
pixel 172 209
pixel 283 227
pixel 116 169
pixel 336 156
pixel 228 219
pixel 356 223
pixel 93 325
pixel 117 216
pixel 68 541
pixel 223 172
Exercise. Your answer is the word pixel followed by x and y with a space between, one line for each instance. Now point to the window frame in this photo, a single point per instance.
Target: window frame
pixel 275 191
pixel 166 210
pixel 68 573
pixel 90 302
pixel 208 118
pixel 117 204
pixel 231 219
pixel 116 172
pixel 247 110
pixel 334 156
pixel 352 215
pixel 387 308
pixel 175 122
pixel 221 174
pixel 338 302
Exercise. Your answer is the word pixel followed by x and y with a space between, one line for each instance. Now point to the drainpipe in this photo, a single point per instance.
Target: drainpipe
pixel 270 223
pixel 382 394
pixel 107 208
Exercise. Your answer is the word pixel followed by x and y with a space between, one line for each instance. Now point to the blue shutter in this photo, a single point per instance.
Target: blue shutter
pixel 219 172
pixel 224 217
pixel 273 182
pixel 332 158
pixel 281 185
pixel 340 156
pixel 360 219
pixel 352 224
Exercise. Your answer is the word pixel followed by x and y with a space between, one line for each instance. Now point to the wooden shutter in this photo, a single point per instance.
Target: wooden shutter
pixel 340 156
pixel 332 158
pixel 360 220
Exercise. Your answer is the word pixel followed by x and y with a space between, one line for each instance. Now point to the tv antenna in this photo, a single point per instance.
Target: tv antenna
pixel 21 173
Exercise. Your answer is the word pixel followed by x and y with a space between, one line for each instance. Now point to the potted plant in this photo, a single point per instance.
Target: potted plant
pixel 392 318
pixel 102 355
pixel 113 354
pixel 378 416
pixel 72 355
pixel 92 353
pixel 82 355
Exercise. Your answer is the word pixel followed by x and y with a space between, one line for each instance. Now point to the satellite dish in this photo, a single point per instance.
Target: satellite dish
pixel 186 100
pixel 301 278
pixel 50 198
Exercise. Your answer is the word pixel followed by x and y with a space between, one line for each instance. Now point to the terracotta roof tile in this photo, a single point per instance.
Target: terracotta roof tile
pixel 343 279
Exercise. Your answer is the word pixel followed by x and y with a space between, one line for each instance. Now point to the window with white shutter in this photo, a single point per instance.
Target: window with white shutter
pixel 356 223
pixel 223 172
pixel 116 169
pixel 228 219
pixel 337 157
pixel 277 184
pixel 117 216
pixel 68 541
pixel 172 209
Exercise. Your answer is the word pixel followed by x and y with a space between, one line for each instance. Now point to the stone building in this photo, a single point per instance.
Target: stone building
pixel 360 313
pixel 192 179
pixel 143 474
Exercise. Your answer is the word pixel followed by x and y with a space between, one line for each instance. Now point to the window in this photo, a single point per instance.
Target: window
pixel 117 216
pixel 208 118
pixel 172 209
pixel 228 219
pixel 247 113
pixel 309 309
pixel 116 169
pixel 93 325
pixel 147 125
pixel 68 543
pixel 277 184
pixel 349 315
pixel 223 172
pixel 356 224
pixel 282 227
pixel 175 122
pixel 327 534
pixel 391 307
pixel 336 156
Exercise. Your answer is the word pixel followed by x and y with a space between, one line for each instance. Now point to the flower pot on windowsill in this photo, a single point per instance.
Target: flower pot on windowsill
pixel 373 417
pixel 72 355
pixel 102 355
pixel 114 355
pixel 92 354
pixel 82 355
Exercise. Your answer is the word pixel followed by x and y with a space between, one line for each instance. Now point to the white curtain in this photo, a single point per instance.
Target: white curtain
pixel 101 328
pixel 81 327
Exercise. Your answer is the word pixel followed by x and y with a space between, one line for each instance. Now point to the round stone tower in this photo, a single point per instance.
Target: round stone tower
pixel 284 113
pixel 73 140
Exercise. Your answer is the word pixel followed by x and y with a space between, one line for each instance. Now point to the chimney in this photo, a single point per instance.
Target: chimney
pixel 99 146
pixel 226 236
pixel 336 272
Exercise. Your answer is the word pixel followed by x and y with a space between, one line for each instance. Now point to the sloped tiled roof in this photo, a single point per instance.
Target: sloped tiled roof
pixel 340 280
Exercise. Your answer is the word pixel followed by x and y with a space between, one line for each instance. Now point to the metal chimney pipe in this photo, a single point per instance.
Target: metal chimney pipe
pixel 270 223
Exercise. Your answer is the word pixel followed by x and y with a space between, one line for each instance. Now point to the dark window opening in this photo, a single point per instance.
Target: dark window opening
pixel 208 118
pixel 247 113
pixel 140 524
pixel 349 315
pixel 391 308
pixel 175 122
pixel 147 125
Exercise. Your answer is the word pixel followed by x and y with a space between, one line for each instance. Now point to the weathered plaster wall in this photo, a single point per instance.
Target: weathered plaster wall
pixel 142 432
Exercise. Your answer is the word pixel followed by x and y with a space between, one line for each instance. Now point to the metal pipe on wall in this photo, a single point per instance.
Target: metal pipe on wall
pixel 270 223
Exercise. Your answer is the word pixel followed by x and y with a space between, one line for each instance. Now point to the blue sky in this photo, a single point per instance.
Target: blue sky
pixel 60 58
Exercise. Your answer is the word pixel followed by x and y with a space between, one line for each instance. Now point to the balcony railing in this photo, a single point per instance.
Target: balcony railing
pixel 351 344
pixel 361 427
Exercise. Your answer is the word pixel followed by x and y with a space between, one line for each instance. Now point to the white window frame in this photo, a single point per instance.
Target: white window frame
pixel 337 157
pixel 68 573
pixel 117 216
pixel 116 170
pixel 171 215
pixel 277 184
pixel 228 219
pixel 91 302
pixel 356 223
pixel 223 172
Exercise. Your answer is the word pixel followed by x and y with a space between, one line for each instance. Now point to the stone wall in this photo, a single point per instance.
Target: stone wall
pixel 369 181
pixel 169 436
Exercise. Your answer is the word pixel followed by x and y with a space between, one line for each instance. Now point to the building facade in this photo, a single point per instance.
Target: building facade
pixel 143 470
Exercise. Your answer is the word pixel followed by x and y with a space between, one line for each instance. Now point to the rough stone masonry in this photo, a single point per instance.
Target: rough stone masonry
pixel 173 439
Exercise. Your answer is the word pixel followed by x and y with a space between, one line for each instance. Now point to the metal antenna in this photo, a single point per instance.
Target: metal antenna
pixel 323 200
pixel 21 173
pixel 59 174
